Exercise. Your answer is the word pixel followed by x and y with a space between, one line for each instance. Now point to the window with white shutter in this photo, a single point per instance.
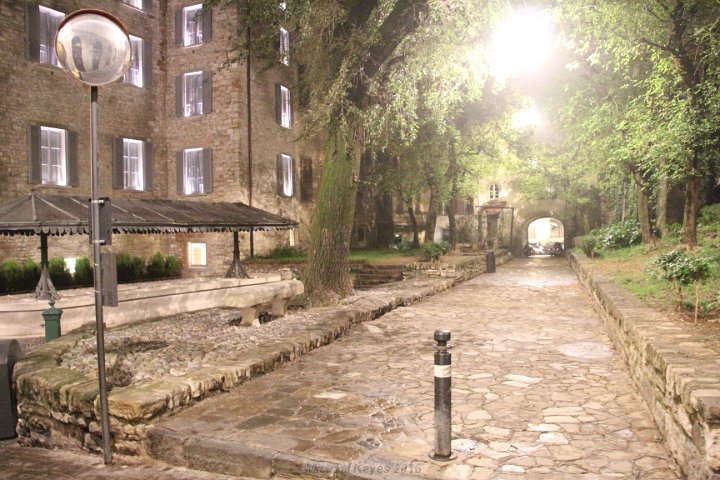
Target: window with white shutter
pixel 49 21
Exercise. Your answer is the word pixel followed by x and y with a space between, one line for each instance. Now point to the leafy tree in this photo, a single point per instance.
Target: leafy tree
pixel 359 60
pixel 661 57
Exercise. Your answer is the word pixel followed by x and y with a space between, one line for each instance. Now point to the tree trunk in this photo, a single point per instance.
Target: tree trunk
pixel 643 208
pixel 690 214
pixel 328 273
pixel 384 224
pixel 452 224
pixel 413 222
pixel 431 219
pixel 452 173
pixel 661 206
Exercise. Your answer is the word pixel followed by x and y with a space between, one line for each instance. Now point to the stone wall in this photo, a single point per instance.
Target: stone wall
pixel 677 375
pixel 59 406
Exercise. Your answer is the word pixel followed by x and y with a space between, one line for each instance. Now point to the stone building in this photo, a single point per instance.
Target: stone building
pixel 181 124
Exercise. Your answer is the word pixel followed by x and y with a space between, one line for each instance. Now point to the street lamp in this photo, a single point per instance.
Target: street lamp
pixel 521 43
pixel 94 48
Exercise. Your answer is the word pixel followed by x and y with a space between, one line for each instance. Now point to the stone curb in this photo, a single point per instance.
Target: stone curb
pixel 59 407
pixel 677 376
pixel 202 453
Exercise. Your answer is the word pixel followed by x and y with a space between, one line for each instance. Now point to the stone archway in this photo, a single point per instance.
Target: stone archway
pixel 544 232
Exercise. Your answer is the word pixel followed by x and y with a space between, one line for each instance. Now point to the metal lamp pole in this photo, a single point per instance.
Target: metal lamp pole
pixel 93 47
pixel 97 242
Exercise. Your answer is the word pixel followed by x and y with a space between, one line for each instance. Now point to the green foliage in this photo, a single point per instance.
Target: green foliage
pixel 589 245
pixel 156 268
pixel 129 269
pixel 59 273
pixel 679 267
pixel 279 253
pixel 83 272
pixel 710 214
pixel 673 231
pixel 18 277
pixel 30 275
pixel 618 235
pixel 381 254
pixel 433 251
pixel 13 273
pixel 172 267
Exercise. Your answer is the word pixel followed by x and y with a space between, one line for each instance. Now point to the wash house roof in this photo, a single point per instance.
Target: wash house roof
pixel 36 214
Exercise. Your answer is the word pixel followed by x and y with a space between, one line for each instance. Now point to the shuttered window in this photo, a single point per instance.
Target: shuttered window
pixel 283 106
pixel 53 151
pixel 284 46
pixel 286 187
pixel 134 3
pixel 194 171
pixel 52 156
pixel 41 25
pixel 134 75
pixel 132 164
pixel 193 26
pixel 193 94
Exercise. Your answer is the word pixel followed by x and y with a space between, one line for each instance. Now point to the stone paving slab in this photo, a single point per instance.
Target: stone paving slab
pixel 538 392
pixel 26 463
pixel 675 369
pixel 159 367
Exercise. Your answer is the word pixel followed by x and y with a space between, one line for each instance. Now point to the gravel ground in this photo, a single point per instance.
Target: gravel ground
pixel 172 346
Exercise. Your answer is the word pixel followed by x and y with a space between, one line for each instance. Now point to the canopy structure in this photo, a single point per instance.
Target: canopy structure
pixel 36 214
pixel 46 215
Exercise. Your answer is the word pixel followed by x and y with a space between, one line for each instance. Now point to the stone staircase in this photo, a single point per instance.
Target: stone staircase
pixel 368 275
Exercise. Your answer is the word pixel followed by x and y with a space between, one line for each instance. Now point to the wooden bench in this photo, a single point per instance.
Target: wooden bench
pixel 252 298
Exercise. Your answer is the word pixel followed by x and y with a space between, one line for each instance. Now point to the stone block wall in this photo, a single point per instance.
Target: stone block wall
pixel 59 407
pixel 676 374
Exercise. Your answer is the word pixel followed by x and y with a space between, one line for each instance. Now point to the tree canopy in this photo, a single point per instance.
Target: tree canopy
pixel 409 86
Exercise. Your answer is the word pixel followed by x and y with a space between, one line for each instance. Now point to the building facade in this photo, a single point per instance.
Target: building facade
pixel 182 124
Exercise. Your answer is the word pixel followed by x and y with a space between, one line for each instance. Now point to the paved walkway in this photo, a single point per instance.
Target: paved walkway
pixel 538 393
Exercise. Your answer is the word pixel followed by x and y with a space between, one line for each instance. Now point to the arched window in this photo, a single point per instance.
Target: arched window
pixel 494 191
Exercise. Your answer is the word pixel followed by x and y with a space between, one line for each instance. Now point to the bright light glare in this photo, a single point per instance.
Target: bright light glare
pixel 521 42
pixel 528 117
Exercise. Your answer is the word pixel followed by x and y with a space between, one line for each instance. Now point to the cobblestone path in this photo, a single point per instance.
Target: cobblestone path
pixel 538 392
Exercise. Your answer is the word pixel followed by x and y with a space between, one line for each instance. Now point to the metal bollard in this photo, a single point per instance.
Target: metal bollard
pixel 490 262
pixel 443 401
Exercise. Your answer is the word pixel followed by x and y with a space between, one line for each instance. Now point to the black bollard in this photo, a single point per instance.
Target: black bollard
pixel 443 401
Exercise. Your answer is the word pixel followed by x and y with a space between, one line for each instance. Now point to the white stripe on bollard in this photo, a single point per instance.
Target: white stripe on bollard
pixel 443 371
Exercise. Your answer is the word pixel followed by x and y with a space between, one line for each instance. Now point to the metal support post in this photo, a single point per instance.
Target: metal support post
pixel 443 400
pixel 252 242
pixel 97 272
pixel 236 270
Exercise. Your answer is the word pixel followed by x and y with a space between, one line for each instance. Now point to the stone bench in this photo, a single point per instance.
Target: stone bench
pixel 250 300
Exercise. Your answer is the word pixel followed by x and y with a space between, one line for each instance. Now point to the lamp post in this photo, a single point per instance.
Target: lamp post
pixel 94 48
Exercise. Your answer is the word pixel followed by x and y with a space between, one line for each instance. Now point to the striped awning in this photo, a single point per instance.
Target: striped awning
pixel 36 214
